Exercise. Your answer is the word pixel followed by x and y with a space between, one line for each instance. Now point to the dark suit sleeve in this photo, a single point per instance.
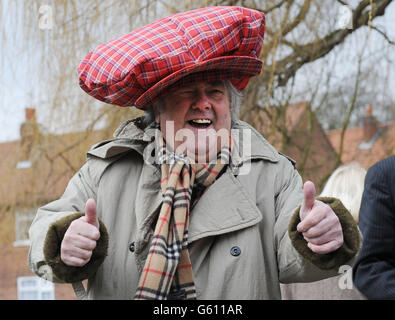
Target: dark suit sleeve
pixel 374 270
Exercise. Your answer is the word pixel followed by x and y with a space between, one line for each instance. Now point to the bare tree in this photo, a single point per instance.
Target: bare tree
pixel 302 39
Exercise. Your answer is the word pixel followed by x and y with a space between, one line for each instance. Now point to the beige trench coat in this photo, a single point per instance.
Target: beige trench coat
pixel 248 211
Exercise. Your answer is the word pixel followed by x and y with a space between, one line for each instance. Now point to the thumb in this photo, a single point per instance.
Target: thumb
pixel 90 213
pixel 308 199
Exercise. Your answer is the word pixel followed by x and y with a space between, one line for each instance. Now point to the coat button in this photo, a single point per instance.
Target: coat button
pixel 131 247
pixel 235 251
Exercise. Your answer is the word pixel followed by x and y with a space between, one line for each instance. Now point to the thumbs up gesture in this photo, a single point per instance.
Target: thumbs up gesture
pixel 319 225
pixel 80 238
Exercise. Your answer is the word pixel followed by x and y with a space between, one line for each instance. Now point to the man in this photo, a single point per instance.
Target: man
pixel 180 217
pixel 374 271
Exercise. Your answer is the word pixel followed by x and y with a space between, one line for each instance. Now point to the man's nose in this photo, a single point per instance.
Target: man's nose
pixel 201 102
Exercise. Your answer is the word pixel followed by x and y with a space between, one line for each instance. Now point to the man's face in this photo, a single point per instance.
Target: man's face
pixel 198 112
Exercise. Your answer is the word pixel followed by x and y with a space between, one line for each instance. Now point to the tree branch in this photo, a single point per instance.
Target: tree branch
pixel 347 119
pixel 287 67
pixel 342 2
pixel 300 17
pixel 391 42
pixel 276 6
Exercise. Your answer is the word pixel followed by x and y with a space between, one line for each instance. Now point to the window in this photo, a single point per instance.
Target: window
pixel 23 220
pixel 24 164
pixel 35 288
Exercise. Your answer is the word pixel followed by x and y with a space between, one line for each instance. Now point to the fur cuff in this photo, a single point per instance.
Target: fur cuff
pixel 52 244
pixel 341 256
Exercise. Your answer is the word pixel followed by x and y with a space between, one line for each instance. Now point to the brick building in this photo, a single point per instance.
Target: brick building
pixel 296 132
pixel 34 171
pixel 367 143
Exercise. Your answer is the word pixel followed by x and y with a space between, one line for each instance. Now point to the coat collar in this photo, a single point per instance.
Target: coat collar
pixel 248 144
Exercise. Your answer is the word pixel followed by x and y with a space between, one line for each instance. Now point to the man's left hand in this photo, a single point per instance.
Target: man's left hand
pixel 320 226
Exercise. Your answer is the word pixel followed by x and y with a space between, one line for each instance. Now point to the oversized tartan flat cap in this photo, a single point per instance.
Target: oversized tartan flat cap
pixel 213 43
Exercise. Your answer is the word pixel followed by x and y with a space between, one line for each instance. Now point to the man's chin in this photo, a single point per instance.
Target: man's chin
pixel 202 155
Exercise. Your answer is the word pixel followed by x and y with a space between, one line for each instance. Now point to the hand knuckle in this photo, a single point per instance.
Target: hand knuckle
pixel 86 254
pixel 70 237
pixel 63 257
pixel 68 261
pixel 96 235
pixel 318 249
pixel 75 223
pixel 314 221
pixel 314 241
pixel 324 249
pixel 66 237
pixel 335 219
pixel 65 251
pixel 314 232
pixel 93 245
pixel 80 263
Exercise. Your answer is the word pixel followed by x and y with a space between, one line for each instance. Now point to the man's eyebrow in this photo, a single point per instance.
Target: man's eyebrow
pixel 213 83
pixel 216 83
pixel 190 86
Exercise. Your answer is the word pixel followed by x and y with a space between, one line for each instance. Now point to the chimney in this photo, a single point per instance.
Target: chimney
pixel 370 124
pixel 28 132
pixel 30 114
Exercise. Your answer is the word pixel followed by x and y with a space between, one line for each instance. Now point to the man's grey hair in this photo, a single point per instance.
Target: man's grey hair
pixel 235 98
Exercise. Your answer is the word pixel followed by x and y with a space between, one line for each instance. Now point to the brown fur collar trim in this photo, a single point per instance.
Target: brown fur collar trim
pixel 52 244
pixel 341 256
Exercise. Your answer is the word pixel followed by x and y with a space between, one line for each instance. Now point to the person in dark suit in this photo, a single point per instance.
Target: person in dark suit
pixel 374 270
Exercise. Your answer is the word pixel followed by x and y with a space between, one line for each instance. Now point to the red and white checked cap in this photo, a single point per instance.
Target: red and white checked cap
pixel 213 43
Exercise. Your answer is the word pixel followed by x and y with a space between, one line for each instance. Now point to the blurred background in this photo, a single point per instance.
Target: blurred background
pixel 325 97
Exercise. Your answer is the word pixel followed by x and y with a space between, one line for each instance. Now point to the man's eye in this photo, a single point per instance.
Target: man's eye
pixel 186 92
pixel 217 92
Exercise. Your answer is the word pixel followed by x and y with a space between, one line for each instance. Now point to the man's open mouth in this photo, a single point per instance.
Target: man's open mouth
pixel 200 123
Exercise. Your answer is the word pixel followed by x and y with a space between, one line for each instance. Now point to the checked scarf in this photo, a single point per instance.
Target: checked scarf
pixel 167 272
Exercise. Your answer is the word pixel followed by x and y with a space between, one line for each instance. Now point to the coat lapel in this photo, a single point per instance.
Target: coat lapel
pixel 148 202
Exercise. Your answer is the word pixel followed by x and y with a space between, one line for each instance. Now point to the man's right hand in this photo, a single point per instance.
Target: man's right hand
pixel 80 238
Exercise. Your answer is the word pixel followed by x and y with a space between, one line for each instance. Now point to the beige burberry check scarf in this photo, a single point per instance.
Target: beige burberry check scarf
pixel 167 273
